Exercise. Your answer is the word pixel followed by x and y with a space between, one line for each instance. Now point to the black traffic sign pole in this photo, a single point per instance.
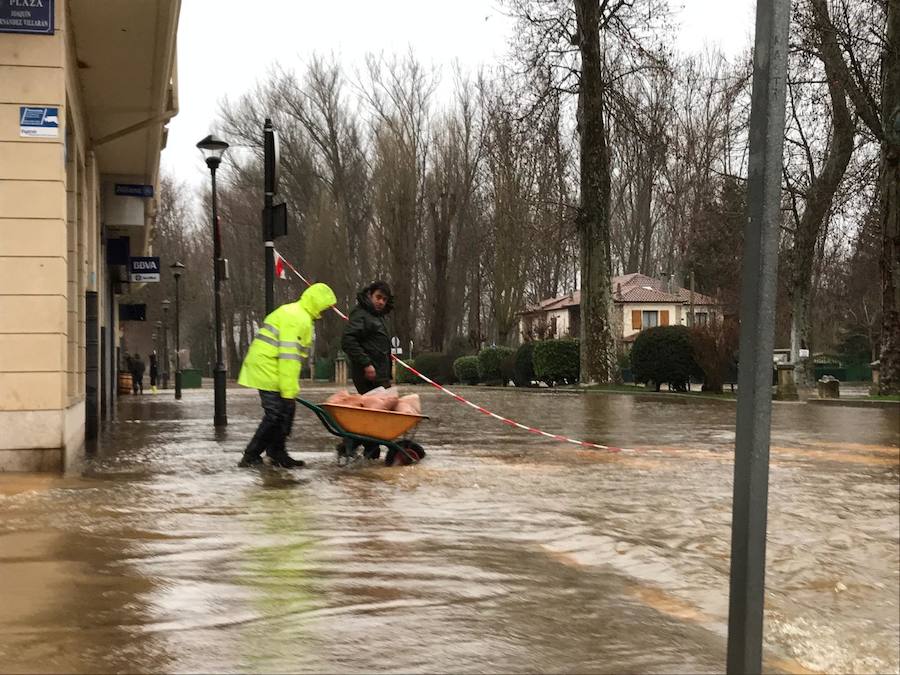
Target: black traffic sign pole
pixel 270 162
pixel 754 405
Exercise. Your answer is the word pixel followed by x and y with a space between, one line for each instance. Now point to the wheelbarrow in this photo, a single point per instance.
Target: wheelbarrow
pixel 357 426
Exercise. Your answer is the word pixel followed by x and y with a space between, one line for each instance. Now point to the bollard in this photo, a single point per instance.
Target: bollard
pixel 340 369
pixel 829 387
pixel 786 389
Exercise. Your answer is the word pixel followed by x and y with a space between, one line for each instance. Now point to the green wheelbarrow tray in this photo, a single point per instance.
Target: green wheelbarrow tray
pixel 363 425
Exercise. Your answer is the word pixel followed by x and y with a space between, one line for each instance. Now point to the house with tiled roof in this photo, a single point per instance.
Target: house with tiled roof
pixel 640 301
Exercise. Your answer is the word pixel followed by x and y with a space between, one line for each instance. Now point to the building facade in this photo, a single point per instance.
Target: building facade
pixel 640 302
pixel 86 89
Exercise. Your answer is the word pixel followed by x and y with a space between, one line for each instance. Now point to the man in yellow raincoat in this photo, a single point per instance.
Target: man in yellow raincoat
pixel 272 366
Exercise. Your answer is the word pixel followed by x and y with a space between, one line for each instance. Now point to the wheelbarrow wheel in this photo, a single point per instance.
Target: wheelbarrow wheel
pixel 412 453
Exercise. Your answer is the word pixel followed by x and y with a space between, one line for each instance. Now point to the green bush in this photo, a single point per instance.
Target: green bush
pixel 495 365
pixel 459 346
pixel 523 365
pixel 466 369
pixel 436 365
pixel 665 354
pixel 557 361
pixel 405 376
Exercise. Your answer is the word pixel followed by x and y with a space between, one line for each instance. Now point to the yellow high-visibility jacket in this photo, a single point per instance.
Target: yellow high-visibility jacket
pixel 282 342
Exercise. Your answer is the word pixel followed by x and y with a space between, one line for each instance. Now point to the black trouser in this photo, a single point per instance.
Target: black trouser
pixel 153 377
pixel 137 383
pixel 278 418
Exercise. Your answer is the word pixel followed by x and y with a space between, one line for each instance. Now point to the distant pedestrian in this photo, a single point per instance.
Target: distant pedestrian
pixel 154 371
pixel 137 374
pixel 272 366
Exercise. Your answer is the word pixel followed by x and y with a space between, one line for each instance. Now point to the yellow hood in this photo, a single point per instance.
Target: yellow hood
pixel 316 299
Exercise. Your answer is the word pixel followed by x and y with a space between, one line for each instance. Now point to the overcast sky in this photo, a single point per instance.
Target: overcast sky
pixel 224 46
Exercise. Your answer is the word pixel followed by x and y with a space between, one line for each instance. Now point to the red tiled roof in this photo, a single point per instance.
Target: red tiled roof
pixel 646 294
pixel 632 287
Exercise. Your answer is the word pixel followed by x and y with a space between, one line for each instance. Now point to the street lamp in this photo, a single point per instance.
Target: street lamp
pixel 176 268
pixel 165 332
pixel 213 148
pixel 157 349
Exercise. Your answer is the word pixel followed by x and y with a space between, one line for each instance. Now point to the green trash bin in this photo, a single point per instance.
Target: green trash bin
pixel 191 379
pixel 324 369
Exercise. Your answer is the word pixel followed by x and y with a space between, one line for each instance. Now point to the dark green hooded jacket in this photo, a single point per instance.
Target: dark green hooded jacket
pixel 367 339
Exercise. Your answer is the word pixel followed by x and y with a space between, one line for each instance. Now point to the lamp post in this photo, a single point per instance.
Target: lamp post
pixel 165 333
pixel 213 149
pixel 157 348
pixel 176 268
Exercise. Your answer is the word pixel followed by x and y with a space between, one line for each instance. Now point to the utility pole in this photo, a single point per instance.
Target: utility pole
pixel 270 170
pixel 758 277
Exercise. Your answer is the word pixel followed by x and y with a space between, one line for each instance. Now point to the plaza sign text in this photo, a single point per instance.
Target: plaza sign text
pixel 27 16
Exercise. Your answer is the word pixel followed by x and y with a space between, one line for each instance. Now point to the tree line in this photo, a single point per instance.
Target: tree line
pixel 594 149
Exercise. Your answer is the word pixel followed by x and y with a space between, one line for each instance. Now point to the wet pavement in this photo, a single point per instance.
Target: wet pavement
pixel 500 552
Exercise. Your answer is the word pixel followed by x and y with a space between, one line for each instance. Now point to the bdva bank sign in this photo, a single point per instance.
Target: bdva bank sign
pixel 143 269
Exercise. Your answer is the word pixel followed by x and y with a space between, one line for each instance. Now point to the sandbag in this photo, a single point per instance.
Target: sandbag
pixel 383 402
pixel 410 403
pixel 338 398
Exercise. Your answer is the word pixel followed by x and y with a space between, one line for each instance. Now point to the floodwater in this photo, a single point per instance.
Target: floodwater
pixel 499 552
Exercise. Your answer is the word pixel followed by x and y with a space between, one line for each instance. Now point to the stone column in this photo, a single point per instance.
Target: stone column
pixel 876 378
pixel 786 389
pixel 340 369
pixel 37 420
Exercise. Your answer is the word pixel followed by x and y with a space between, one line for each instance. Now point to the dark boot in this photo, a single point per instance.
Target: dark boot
pixel 285 461
pixel 250 460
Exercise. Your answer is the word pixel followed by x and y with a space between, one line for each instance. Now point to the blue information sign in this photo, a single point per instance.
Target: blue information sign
pixel 26 16
pixel 131 190
pixel 143 269
pixel 38 122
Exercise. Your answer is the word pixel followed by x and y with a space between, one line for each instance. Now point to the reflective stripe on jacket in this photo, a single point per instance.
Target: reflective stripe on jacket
pixel 282 342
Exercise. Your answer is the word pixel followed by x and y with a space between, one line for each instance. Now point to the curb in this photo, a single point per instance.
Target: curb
pixel 851 403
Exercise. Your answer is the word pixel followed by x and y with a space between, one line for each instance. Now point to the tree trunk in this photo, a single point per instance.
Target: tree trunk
pixel 889 188
pixel 598 360
pixel 815 216
pixel 440 216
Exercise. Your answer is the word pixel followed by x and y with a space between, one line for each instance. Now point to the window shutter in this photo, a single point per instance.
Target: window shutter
pixel 636 319
pixel 663 317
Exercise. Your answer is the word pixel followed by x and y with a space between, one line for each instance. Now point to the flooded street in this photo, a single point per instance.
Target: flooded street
pixel 500 552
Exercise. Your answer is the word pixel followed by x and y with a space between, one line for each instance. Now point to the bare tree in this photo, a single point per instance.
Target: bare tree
pixel 858 41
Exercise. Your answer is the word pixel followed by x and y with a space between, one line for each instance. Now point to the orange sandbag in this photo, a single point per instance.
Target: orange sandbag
pixel 354 400
pixel 379 402
pixel 411 403
pixel 338 398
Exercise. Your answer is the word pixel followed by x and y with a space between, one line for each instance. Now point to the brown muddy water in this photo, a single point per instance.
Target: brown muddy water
pixel 500 552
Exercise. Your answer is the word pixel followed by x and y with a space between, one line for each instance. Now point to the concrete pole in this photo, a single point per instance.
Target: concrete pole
pixel 754 407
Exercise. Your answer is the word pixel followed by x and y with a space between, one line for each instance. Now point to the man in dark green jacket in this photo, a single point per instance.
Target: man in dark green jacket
pixel 367 341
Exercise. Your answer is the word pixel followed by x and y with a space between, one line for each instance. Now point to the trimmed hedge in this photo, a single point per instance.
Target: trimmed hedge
pixel 405 376
pixel 436 365
pixel 557 361
pixel 466 369
pixel 665 354
pixel 523 365
pixel 495 365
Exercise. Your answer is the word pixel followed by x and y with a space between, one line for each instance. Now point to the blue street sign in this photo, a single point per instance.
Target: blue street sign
pixel 132 190
pixel 143 269
pixel 26 16
pixel 38 122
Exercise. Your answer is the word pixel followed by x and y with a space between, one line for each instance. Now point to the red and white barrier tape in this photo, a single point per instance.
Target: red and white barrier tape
pixel 505 420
